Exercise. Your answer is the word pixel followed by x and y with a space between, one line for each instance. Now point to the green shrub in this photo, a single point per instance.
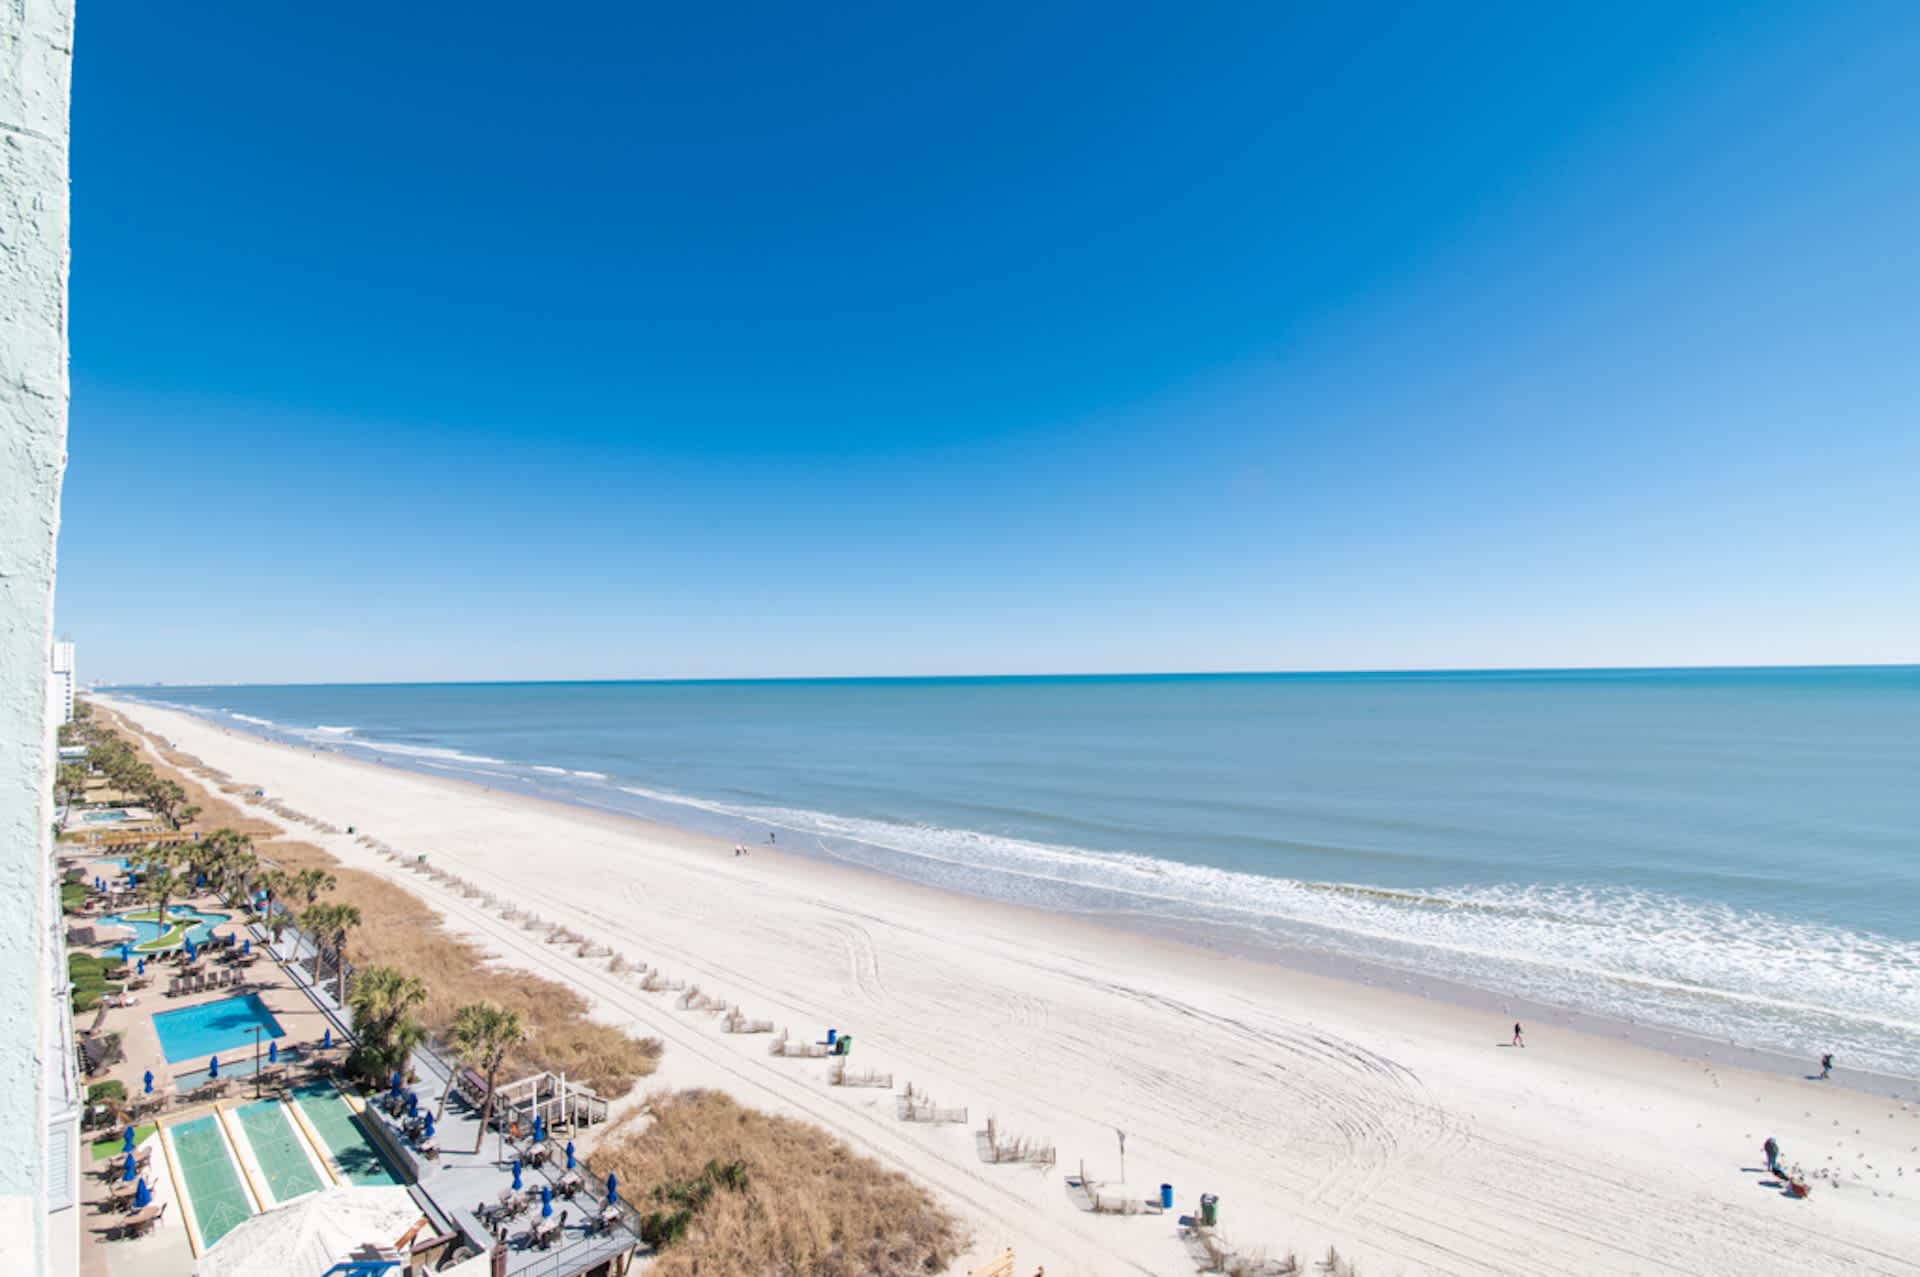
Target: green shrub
pixel 99 1092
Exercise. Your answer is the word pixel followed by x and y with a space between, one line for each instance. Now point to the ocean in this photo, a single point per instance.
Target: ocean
pixel 1733 853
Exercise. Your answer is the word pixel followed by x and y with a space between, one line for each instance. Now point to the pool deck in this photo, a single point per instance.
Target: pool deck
pixel 449 1188
pixel 167 1249
pixel 460 1180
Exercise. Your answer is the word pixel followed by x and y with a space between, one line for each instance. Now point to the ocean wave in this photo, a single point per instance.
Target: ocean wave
pixel 428 751
pixel 328 730
pixel 549 771
pixel 258 722
pixel 589 775
pixel 1696 966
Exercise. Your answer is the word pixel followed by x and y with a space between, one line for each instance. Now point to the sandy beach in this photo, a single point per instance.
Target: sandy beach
pixel 1401 1129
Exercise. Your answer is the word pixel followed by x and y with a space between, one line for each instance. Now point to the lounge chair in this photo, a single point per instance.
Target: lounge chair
pixel 143 1221
pixel 174 987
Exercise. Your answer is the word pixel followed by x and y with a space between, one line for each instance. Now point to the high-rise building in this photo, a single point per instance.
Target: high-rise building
pixel 60 686
pixel 39 1104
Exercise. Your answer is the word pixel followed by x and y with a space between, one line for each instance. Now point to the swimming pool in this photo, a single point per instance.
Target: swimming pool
pixel 150 937
pixel 213 1027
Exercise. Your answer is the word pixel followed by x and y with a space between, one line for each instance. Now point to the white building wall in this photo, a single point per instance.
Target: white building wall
pixel 60 684
pixel 36 62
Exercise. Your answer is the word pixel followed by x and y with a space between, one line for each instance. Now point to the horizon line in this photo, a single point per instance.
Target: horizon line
pixel 1331 672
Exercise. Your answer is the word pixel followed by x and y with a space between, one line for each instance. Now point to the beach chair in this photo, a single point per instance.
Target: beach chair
pixel 143 1221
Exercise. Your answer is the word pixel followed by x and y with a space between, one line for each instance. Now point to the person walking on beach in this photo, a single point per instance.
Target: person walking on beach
pixel 1772 1149
pixel 1517 1039
pixel 1826 1066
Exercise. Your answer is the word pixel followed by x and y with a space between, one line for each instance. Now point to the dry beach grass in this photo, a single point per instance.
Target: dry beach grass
pixel 807 1205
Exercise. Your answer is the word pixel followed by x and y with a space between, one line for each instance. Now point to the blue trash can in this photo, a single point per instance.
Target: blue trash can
pixel 1166 1196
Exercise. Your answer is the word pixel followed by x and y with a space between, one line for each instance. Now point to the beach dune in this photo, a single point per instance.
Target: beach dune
pixel 1321 1112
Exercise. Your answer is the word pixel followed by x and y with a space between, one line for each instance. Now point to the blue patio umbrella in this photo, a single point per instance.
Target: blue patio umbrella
pixel 246 946
pixel 326 1039
pixel 569 1154
pixel 539 1129
pixel 213 1067
pixel 191 948
pixel 613 1188
pixel 273 1053
pixel 413 1103
pixel 127 1175
pixel 126 952
pixel 99 883
pixel 141 968
pixel 516 1173
pixel 200 881
pixel 394 1082
pixel 148 1081
pixel 428 1130
pixel 142 1195
pixel 126 1140
pixel 546 1200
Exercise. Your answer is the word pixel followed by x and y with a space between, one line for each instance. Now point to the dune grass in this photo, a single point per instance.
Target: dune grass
pixel 398 929
pixel 794 1201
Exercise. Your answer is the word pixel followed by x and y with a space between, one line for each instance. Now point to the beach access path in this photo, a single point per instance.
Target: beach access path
pixel 1321 1111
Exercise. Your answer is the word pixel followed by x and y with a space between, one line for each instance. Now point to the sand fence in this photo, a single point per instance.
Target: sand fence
pixel 788 1048
pixel 838 1074
pixel 737 1022
pixel 997 1144
pixel 912 1105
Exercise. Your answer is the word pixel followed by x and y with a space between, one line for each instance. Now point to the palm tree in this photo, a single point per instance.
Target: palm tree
pixel 164 796
pixel 71 781
pixel 384 1002
pixel 229 871
pixel 483 1033
pixel 161 885
pixel 309 883
pixel 328 924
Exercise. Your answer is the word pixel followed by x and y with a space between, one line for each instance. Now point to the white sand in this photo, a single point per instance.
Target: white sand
pixel 1322 1112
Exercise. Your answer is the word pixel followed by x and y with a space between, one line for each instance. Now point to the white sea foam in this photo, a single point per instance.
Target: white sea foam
pixel 428 751
pixel 590 775
pixel 258 722
pixel 549 771
pixel 328 730
pixel 1700 967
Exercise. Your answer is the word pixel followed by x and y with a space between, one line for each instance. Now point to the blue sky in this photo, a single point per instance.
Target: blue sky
pixel 418 342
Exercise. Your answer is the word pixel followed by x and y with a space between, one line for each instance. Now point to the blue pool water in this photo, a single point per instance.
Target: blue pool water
pixel 147 934
pixel 236 1064
pixel 214 1027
